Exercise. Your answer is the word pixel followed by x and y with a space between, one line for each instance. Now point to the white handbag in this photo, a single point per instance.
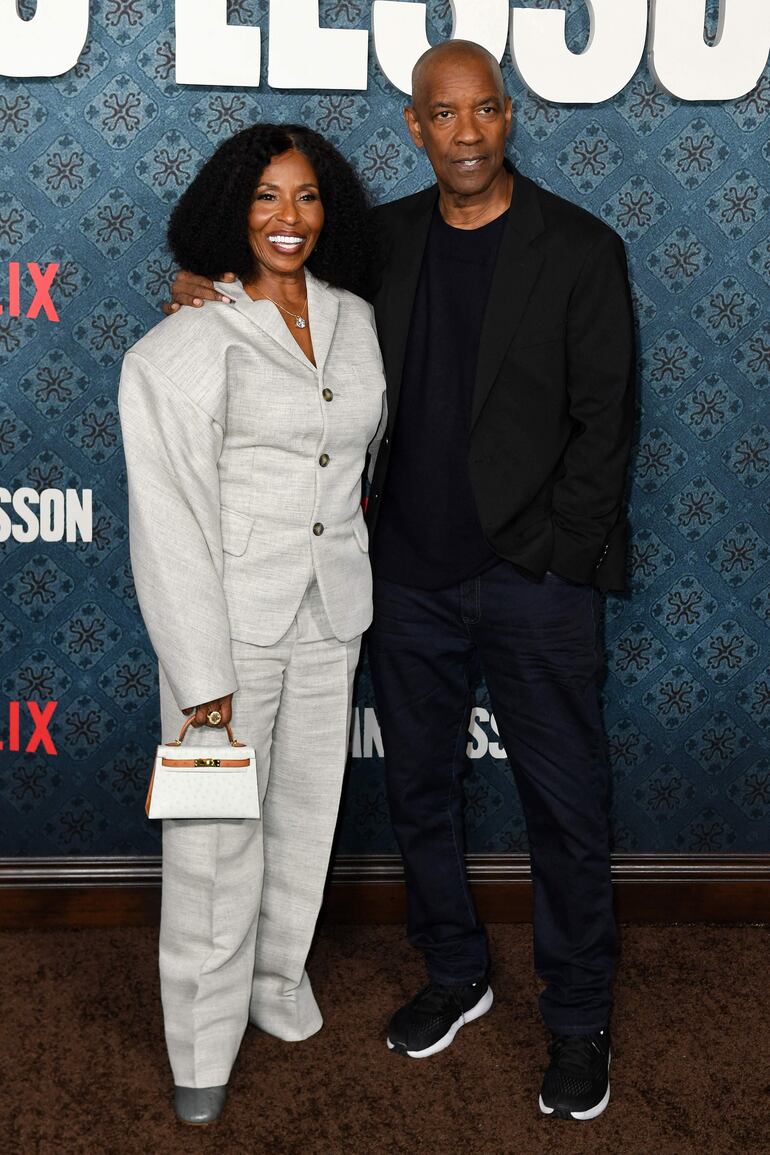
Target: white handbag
pixel 198 784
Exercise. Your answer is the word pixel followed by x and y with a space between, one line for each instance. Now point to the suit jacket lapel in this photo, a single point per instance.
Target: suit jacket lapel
pixel 322 310
pixel 405 265
pixel 323 306
pixel 517 269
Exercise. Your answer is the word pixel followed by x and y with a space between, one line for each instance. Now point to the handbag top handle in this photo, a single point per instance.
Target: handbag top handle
pixel 186 725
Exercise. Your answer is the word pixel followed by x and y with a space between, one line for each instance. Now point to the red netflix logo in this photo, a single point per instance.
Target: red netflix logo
pixel 40 717
pixel 42 280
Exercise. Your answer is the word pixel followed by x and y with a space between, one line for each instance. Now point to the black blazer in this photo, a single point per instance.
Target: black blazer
pixel 553 405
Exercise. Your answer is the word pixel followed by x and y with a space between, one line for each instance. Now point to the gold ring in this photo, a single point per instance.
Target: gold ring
pixel 213 717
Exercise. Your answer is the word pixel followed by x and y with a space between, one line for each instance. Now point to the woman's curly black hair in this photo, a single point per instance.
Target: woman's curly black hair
pixel 208 228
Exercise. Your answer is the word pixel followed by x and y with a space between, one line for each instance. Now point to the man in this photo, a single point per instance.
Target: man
pixel 496 514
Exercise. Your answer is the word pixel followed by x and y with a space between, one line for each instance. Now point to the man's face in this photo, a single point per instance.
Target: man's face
pixel 461 119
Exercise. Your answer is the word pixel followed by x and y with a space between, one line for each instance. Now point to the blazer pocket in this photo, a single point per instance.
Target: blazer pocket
pixel 533 341
pixel 236 530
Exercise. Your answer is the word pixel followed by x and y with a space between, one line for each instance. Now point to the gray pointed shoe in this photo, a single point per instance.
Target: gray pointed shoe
pixel 199 1105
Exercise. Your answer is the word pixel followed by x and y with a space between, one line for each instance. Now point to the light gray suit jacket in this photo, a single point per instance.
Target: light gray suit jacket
pixel 226 425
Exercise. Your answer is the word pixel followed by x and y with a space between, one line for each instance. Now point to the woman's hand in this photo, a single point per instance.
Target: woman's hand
pixel 200 713
pixel 190 289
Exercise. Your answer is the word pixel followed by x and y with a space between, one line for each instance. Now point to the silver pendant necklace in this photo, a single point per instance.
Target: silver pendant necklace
pixel 299 320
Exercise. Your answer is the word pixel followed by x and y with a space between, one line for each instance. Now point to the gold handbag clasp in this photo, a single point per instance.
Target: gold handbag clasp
pixel 186 725
pixel 206 762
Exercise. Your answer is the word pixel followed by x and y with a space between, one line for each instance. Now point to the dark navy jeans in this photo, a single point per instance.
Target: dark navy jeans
pixel 538 646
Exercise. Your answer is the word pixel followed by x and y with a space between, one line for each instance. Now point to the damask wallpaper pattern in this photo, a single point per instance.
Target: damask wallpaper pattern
pixel 90 164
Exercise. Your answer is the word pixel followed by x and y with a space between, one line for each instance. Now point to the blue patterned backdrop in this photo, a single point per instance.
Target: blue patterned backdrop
pixel 90 164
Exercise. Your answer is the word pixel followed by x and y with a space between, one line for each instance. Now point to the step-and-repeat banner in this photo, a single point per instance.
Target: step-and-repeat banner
pixel 107 110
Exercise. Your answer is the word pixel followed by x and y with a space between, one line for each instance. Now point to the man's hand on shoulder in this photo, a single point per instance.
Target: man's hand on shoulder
pixel 190 289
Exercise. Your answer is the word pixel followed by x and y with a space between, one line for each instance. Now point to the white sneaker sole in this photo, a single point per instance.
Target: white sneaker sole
pixel 481 1008
pixel 591 1113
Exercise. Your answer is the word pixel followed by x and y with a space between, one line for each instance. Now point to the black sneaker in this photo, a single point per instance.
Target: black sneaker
pixel 431 1020
pixel 577 1082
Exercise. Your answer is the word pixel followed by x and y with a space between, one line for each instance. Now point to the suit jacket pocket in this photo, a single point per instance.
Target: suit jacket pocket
pixel 236 530
pixel 531 340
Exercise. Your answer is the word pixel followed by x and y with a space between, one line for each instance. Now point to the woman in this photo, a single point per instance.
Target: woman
pixel 246 430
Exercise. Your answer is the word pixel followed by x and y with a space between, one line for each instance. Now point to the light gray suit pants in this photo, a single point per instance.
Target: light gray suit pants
pixel 241 897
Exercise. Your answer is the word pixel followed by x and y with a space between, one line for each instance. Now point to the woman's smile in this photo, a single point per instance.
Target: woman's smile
pixel 286 242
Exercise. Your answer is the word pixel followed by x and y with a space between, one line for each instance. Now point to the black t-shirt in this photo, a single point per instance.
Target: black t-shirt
pixel 428 530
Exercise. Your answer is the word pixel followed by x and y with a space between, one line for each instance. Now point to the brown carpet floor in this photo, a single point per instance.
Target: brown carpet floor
pixel 83 1068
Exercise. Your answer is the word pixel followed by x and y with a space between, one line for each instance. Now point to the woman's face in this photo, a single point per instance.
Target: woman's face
pixel 286 215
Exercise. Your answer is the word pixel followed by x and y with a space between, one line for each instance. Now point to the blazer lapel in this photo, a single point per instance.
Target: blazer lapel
pixel 396 308
pixel 322 309
pixel 268 318
pixel 517 269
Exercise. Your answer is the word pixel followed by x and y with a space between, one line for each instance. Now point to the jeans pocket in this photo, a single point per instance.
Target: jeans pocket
pixel 568 581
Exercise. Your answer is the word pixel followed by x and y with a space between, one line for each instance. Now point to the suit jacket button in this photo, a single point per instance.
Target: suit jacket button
pixel 324 460
pixel 318 529
pixel 327 395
